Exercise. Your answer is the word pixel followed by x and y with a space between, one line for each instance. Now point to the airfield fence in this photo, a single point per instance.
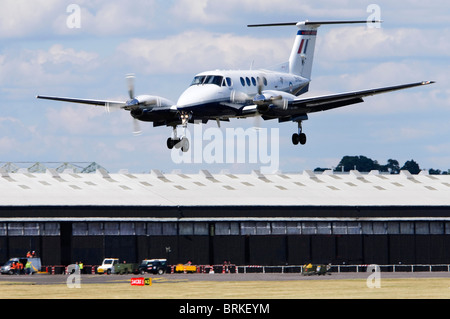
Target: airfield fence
pixel 233 269
pixel 346 268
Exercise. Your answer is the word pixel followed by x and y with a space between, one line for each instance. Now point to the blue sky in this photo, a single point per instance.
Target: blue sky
pixel 165 43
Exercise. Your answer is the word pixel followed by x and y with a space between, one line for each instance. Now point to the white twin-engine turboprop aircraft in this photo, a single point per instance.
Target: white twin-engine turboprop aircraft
pixel 220 95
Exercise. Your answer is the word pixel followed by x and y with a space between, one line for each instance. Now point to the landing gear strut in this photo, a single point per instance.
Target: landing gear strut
pixel 180 142
pixel 299 137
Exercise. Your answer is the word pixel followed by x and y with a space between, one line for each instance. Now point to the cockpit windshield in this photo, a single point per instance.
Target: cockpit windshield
pixel 207 79
pixel 198 80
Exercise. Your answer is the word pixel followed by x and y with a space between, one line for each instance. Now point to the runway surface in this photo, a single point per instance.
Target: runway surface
pixel 46 279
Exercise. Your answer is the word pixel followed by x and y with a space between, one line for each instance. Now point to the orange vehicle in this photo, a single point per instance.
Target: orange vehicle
pixel 187 268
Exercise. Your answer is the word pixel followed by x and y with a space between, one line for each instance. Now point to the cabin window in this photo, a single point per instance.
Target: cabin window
pixel 262 81
pixel 242 81
pixel 227 82
pixel 247 80
pixel 253 81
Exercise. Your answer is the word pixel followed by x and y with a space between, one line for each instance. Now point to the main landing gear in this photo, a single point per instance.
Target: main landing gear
pixel 299 137
pixel 180 142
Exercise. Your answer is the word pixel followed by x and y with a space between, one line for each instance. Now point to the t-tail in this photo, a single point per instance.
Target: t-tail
pixel 302 55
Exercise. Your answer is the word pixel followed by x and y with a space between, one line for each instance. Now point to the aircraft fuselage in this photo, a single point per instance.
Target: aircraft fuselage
pixel 226 94
pixel 216 94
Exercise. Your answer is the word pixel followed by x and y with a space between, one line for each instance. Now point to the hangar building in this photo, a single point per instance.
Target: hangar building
pixel 246 219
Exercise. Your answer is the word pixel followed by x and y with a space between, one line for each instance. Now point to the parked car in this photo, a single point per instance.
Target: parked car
pixel 114 266
pixel 153 266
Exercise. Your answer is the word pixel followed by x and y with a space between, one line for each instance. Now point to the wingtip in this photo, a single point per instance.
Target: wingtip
pixel 428 82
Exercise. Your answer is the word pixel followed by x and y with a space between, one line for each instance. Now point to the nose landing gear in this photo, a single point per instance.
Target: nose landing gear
pixel 180 142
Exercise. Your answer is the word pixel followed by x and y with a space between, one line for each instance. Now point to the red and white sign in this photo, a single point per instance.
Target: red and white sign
pixel 141 281
pixel 137 281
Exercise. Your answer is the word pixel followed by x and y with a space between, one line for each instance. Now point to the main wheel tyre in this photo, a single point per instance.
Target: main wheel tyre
pixel 295 139
pixel 177 143
pixel 302 139
pixel 170 143
pixel 184 144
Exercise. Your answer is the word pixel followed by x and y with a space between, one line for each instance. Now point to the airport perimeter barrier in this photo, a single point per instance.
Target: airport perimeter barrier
pixel 233 269
pixel 391 268
pixel 345 268
pixel 217 269
pixel 62 269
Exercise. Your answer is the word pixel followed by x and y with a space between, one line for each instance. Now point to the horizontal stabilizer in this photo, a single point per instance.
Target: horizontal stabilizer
pixel 309 23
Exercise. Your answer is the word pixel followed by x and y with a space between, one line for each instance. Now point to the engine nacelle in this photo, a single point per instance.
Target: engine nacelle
pixel 141 102
pixel 152 100
pixel 272 99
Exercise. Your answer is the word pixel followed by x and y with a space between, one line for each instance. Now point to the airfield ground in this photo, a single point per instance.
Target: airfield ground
pixel 424 285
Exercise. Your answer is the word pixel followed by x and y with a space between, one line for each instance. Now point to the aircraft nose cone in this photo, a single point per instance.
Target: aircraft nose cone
pixel 198 94
pixel 191 96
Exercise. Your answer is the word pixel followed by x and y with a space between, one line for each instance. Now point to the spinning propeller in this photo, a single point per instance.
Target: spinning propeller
pixel 133 103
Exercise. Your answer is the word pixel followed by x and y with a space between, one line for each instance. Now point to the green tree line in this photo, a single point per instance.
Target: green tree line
pixel 365 164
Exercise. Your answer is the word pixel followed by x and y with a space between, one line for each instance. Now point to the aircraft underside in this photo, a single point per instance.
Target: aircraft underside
pixel 219 111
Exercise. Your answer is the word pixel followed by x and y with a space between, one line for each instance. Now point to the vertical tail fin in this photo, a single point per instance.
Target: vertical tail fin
pixel 302 55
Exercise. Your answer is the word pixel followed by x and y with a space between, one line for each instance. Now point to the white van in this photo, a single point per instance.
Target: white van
pixel 35 265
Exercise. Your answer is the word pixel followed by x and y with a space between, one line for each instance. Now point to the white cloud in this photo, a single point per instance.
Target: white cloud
pixel 57 54
pixel 113 18
pixel 14 134
pixel 75 120
pixel 348 43
pixel 22 18
pixel 195 51
pixel 214 11
pixel 200 11
pixel 46 18
pixel 30 69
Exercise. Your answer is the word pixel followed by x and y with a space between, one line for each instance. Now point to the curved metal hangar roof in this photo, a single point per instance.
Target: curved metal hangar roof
pixel 205 189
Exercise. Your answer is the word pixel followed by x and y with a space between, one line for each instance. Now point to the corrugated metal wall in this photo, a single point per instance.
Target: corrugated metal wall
pixel 238 249
pixel 242 235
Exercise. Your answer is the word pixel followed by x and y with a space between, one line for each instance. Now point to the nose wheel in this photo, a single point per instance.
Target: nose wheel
pixel 300 137
pixel 180 142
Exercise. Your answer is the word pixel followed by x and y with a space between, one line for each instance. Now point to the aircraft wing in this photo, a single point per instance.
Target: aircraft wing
pixel 83 101
pixel 327 102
